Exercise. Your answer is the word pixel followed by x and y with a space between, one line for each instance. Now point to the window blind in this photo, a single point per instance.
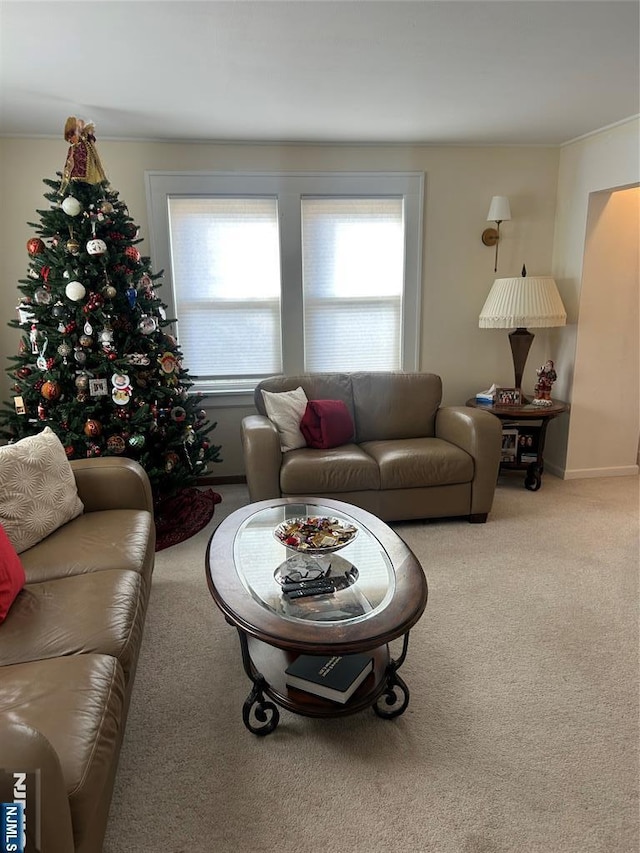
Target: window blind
pixel 225 261
pixel 353 280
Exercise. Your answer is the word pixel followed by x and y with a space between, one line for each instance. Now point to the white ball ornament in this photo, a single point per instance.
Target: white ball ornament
pixel 71 206
pixel 96 247
pixel 75 291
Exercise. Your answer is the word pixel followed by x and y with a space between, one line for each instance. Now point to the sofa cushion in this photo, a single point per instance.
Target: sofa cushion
pixel 317 386
pixel 341 469
pixel 414 462
pixel 11 575
pixel 326 423
pixel 37 489
pixel 96 612
pixel 77 704
pixel 108 539
pixel 395 405
pixel 285 410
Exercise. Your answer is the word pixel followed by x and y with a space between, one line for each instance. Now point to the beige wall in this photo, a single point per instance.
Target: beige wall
pixel 605 407
pixel 599 163
pixel 457 269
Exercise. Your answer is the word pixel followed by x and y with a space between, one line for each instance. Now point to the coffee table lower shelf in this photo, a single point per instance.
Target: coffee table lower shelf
pixel 265 665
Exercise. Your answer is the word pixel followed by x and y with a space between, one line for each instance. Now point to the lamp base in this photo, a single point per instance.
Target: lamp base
pixel 520 340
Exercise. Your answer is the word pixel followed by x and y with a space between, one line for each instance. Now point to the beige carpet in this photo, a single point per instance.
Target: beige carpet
pixel 522 730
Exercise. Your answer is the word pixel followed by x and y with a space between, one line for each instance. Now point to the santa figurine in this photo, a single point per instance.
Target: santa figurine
pixel 83 162
pixel 546 377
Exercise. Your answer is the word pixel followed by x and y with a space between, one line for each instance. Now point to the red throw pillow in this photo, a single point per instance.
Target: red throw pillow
pixel 326 423
pixel 11 574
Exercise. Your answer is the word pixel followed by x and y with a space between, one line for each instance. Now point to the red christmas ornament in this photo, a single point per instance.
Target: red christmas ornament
pixel 116 444
pixel 69 450
pixel 23 372
pixel 92 428
pixel 51 390
pixel 132 253
pixel 35 246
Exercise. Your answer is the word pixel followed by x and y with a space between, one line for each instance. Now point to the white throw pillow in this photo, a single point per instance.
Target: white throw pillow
pixel 38 491
pixel 285 410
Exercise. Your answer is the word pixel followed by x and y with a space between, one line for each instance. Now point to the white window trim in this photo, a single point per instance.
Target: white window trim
pixel 288 186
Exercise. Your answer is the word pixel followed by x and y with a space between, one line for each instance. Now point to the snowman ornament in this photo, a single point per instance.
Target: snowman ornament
pixel 122 390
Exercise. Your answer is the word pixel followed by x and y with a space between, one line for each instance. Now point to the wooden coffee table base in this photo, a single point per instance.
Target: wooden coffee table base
pixel 265 665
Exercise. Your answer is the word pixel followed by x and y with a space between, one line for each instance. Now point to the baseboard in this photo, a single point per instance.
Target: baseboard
pixel 550 468
pixel 238 479
pixel 585 473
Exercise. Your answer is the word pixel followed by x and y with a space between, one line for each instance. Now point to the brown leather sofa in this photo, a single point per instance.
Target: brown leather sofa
pixel 68 652
pixel 410 456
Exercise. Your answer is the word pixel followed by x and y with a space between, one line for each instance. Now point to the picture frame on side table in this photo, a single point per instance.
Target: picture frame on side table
pixel 528 444
pixel 509 452
pixel 508 397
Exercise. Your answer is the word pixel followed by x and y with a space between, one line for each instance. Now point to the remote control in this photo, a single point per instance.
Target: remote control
pixel 306 584
pixel 329 589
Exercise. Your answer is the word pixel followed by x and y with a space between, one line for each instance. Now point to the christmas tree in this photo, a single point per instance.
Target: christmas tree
pixel 95 362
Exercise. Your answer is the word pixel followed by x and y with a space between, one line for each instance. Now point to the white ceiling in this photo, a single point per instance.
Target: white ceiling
pixel 507 71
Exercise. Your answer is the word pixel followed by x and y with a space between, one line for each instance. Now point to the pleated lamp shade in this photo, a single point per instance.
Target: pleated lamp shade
pixel 520 302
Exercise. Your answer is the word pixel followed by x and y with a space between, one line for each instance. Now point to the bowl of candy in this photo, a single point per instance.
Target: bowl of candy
pixel 315 534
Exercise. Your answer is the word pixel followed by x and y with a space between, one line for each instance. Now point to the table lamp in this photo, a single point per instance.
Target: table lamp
pixel 521 302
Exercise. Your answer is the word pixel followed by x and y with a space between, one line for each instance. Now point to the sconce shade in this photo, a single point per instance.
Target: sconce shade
pixel 520 302
pixel 499 210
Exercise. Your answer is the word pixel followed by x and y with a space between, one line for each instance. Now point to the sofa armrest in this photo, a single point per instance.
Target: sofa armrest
pixel 112 482
pixel 24 749
pixel 262 457
pixel 480 435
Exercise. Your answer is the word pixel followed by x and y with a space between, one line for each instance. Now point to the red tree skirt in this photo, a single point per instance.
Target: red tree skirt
pixel 183 515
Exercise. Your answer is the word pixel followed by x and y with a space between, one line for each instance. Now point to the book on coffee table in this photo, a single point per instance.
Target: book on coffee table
pixel 334 677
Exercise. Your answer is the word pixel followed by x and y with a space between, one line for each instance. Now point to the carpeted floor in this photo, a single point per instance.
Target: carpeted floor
pixel 522 731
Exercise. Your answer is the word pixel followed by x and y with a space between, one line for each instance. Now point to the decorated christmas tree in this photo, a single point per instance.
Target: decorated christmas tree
pixel 95 362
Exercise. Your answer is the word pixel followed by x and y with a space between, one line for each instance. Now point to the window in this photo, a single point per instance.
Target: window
pixel 285 273
pixel 225 265
pixel 352 274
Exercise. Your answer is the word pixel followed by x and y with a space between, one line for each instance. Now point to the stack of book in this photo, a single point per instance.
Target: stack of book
pixel 336 677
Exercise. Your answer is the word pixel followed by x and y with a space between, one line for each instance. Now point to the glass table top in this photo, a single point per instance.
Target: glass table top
pixel 361 569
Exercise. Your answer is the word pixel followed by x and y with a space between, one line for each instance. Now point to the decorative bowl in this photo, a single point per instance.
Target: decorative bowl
pixel 315 534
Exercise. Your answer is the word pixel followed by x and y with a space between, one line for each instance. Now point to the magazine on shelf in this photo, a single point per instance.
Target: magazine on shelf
pixel 334 677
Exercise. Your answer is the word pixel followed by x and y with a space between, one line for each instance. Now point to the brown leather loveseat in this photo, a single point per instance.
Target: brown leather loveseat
pixel 410 457
pixel 68 652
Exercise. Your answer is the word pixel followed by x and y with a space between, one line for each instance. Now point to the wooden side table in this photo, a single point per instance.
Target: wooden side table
pixel 531 423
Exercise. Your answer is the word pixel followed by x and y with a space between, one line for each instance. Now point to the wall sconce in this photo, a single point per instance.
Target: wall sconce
pixel 499 211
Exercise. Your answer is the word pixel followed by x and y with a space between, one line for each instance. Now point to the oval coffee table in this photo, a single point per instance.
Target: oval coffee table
pixel 385 597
